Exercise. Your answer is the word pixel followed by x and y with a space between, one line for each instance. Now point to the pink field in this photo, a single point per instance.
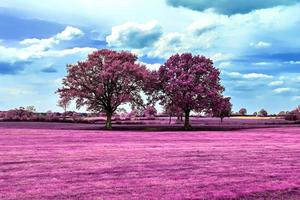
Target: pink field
pixel 78 164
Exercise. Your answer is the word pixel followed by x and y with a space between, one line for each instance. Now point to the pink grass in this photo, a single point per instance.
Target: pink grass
pixel 73 164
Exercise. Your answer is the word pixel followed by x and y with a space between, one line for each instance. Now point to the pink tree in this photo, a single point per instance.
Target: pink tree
pixel 150 111
pixel 64 103
pixel 221 107
pixel 172 110
pixel 189 83
pixel 104 81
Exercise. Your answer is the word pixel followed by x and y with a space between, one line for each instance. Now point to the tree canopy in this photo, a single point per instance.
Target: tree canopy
pixel 104 81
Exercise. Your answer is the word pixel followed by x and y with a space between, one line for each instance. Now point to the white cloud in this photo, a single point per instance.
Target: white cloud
pixel 167 45
pixel 249 75
pixel 292 62
pixel 152 67
pixel 69 33
pixel 38 48
pixel 263 63
pixel 261 44
pixel 209 34
pixel 134 35
pixel 256 75
pixel 225 64
pixel 207 24
pixel 275 83
pixel 221 57
pixel 283 90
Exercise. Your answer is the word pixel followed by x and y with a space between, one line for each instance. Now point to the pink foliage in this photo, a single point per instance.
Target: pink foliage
pixel 150 111
pixel 104 81
pixel 293 115
pixel 188 82
pixel 18 114
pixel 221 107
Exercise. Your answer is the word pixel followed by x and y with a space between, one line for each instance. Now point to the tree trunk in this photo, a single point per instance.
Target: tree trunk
pixel 64 114
pixel 170 118
pixel 222 120
pixel 108 120
pixel 187 125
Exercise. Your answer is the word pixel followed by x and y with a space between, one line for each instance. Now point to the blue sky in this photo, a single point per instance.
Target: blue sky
pixel 255 44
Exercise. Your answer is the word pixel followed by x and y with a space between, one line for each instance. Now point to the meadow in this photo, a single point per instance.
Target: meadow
pixel 64 163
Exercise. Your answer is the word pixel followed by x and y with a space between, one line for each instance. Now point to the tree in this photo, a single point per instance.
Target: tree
pixel 188 82
pixel 172 110
pixel 149 111
pixel 282 113
pixel 64 103
pixel 31 109
pixel 243 111
pixel 222 107
pixel 263 113
pixel 104 81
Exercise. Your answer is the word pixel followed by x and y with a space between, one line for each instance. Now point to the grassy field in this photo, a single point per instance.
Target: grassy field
pixel 81 164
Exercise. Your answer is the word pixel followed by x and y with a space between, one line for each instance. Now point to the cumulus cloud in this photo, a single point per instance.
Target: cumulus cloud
pixel 34 45
pixel 152 67
pixel 208 24
pixel 220 37
pixel 32 48
pixel 228 7
pixel 134 35
pixel 69 33
pixel 168 44
pixel 221 57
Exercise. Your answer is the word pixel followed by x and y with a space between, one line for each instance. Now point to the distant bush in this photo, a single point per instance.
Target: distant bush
pixel 262 113
pixel 294 115
pixel 2 114
pixel 150 112
pixel 52 116
pixel 18 114
pixel 242 111
pixel 134 113
pixel 24 114
pixel 282 113
pixel 291 116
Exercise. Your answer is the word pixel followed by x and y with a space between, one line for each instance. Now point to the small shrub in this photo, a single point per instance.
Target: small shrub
pixel 262 113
